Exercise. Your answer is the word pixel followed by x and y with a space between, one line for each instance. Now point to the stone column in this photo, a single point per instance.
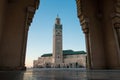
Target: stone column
pixel 117 30
pixel 85 28
pixel 2 18
pixel 2 14
pixel 29 15
pixel 116 27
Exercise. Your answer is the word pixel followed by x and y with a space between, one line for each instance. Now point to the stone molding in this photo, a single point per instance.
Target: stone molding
pixel 84 23
pixel 30 14
pixel 83 19
pixel 116 26
pixel 30 11
pixel 116 14
pixel 116 18
pixel 36 3
pixel 79 7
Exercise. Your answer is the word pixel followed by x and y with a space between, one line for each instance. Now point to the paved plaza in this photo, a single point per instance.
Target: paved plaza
pixel 60 74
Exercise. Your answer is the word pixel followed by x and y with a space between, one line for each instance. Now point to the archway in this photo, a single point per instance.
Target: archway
pixel 100 22
pixel 73 37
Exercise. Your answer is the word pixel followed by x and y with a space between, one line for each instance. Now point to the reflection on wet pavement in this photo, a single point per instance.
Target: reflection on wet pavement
pixel 60 74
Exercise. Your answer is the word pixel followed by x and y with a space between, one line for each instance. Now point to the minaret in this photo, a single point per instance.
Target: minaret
pixel 57 42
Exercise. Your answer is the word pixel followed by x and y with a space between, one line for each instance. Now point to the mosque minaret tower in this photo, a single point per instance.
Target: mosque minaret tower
pixel 60 58
pixel 57 42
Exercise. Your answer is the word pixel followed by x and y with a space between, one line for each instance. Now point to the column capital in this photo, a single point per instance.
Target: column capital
pixel 117 25
pixel 80 7
pixel 84 24
pixel 36 3
pixel 116 15
pixel 30 11
pixel 84 21
pixel 116 21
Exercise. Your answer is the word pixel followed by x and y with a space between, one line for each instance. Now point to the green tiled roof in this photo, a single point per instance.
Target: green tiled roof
pixel 70 52
pixel 66 52
pixel 46 55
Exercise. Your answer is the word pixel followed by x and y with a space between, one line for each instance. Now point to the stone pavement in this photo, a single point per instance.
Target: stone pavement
pixel 60 74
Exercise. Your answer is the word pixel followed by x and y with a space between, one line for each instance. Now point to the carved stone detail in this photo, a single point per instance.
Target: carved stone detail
pixel 117 30
pixel 84 21
pixel 36 4
pixel 116 19
pixel 79 7
pixel 30 11
pixel 116 25
pixel 30 15
pixel 84 24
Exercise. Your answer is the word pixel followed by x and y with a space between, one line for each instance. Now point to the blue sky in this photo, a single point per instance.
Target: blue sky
pixel 40 33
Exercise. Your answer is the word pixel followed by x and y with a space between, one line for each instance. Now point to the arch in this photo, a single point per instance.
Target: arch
pixel 100 21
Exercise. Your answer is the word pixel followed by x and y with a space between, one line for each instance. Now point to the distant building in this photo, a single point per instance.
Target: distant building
pixel 59 57
pixel 71 59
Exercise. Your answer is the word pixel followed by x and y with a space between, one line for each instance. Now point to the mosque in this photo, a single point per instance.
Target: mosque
pixel 60 58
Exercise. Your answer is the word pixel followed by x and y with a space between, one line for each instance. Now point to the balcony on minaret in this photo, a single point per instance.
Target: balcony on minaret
pixel 58 23
pixel 57 20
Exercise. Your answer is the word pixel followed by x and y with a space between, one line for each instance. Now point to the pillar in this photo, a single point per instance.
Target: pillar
pixel 30 11
pixel 92 28
pixel 102 32
pixel 2 19
pixel 13 40
pixel 2 14
pixel 85 29
pixel 115 16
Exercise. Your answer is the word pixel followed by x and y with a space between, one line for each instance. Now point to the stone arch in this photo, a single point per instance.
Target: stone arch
pixel 100 21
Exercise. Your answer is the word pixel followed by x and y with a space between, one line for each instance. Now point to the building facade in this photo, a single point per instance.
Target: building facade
pixel 71 59
pixel 61 58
